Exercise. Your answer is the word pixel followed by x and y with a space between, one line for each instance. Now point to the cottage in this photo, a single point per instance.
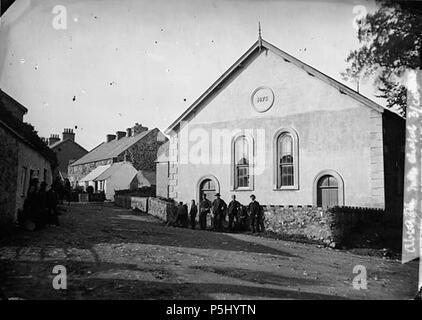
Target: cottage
pixel 67 150
pixel 118 176
pixel 88 180
pixel 163 172
pixel 274 126
pixel 24 156
pixel 137 146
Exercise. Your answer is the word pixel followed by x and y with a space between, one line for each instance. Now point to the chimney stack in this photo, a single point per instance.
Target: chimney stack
pixel 138 128
pixel 110 137
pixel 68 134
pixel 129 132
pixel 53 139
pixel 120 134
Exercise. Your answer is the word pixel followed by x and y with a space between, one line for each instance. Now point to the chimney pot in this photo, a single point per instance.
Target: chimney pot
pixel 53 139
pixel 110 137
pixel 68 134
pixel 129 132
pixel 120 134
pixel 138 128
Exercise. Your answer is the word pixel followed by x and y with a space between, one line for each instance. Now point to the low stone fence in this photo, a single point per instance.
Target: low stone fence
pixel 330 226
pixel 163 210
pixel 159 208
pixel 140 203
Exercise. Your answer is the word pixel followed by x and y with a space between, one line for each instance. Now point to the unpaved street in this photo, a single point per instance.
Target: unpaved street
pixel 114 253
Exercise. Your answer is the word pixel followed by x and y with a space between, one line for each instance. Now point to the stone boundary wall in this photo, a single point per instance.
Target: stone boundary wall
pixel 163 210
pixel 140 203
pixel 328 226
pixel 331 226
pixel 156 207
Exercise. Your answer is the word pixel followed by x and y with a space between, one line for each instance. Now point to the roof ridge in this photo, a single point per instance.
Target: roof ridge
pixel 111 153
pixel 263 43
pixel 67 139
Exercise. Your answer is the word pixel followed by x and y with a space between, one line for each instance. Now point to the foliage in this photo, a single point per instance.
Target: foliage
pixel 390 41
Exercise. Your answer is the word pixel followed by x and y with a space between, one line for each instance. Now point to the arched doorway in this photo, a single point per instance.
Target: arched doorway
pixel 327 192
pixel 208 187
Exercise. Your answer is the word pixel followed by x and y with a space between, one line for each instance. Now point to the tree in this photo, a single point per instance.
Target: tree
pixel 391 43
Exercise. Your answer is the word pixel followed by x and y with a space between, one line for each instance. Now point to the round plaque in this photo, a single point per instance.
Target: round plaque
pixel 262 99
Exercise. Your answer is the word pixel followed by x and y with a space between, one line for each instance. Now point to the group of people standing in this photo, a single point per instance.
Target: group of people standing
pixel 40 205
pixel 241 218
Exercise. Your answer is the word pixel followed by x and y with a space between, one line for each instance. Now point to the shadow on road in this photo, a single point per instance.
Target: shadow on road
pixel 103 281
pixel 86 226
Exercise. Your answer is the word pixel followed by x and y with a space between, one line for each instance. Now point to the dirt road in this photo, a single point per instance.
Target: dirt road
pixel 114 253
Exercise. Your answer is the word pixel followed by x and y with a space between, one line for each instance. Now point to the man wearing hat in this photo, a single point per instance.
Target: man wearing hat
pixel 218 209
pixel 256 214
pixel 234 210
pixel 204 209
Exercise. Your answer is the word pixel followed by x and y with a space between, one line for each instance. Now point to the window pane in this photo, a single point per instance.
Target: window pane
pixel 242 176
pixel 285 160
pixel 286 145
pixel 286 174
pixel 241 162
pixel 241 149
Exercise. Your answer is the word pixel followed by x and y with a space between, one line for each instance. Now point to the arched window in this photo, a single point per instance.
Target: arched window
pixel 286 160
pixel 242 162
pixel 286 148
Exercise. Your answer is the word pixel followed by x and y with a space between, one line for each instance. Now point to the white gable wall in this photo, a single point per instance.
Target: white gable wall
pixel 334 133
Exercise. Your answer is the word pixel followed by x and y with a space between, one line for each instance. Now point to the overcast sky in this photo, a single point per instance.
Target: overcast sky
pixel 126 61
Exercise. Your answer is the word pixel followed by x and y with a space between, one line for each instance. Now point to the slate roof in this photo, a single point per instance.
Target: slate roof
pixel 150 176
pixel 95 173
pixel 58 143
pixel 254 51
pixel 109 150
pixel 163 152
pixel 111 170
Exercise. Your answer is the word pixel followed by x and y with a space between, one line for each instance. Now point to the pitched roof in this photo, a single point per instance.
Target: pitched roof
pixel 25 132
pixel 146 176
pixel 4 95
pixel 109 150
pixel 256 47
pixel 58 143
pixel 163 152
pixel 95 173
pixel 112 170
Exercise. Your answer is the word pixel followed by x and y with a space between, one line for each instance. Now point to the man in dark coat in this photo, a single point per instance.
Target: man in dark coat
pixel 204 210
pixel 234 208
pixel 53 212
pixel 218 209
pixel 30 206
pixel 41 216
pixel 192 213
pixel 185 216
pixel 256 214
pixel 181 215
pixel 243 219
